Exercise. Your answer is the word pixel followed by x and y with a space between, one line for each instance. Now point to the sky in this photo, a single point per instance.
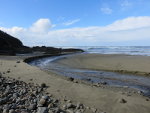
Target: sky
pixel 77 22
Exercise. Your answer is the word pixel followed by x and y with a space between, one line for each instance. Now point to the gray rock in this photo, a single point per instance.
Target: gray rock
pixel 64 106
pixel 79 106
pixel 4 100
pixel 94 110
pixel 45 97
pixel 42 102
pixel 103 83
pixel 70 79
pixel 69 105
pixel 140 92
pixel 122 100
pixel 15 95
pixel 43 85
pixel 69 111
pixel 6 111
pixel 12 111
pixel 57 110
pixel 18 62
pixel 78 112
pixel 13 106
pixel 32 107
pixel 42 110
pixel 24 112
pixel 147 99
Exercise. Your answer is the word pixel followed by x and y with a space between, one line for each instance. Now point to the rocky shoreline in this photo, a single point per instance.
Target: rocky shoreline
pixel 17 96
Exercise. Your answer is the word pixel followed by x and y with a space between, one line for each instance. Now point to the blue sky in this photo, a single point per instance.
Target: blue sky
pixel 77 22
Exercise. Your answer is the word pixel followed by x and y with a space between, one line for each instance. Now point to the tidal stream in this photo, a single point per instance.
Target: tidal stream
pixel 141 83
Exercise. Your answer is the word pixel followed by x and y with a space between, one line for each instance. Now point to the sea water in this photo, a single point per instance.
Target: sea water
pixel 131 50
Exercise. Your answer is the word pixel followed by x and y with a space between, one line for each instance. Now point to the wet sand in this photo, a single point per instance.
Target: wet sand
pixel 103 98
pixel 139 65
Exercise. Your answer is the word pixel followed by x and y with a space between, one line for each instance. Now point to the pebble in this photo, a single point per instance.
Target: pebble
pixel 18 62
pixel 70 79
pixel 42 110
pixel 147 99
pixel 20 97
pixel 104 83
pixel 45 97
pixel 69 105
pixel 70 111
pixel 12 111
pixel 6 111
pixel 41 102
pixel 32 107
pixel 140 92
pixel 43 85
pixel 79 106
pixel 122 100
pixel 94 110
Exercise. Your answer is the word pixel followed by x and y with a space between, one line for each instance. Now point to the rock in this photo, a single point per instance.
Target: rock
pixel 45 97
pixel 8 71
pixel 75 81
pixel 70 79
pixel 57 110
pixel 87 107
pixel 69 111
pixel 140 92
pixel 12 111
pixel 32 107
pixel 42 102
pixel 24 112
pixel 43 85
pixel 78 112
pixel 18 62
pixel 15 95
pixel 94 110
pixel 5 110
pixel 64 106
pixel 147 99
pixel 70 105
pixel 79 106
pixel 68 101
pixel 103 83
pixel 122 100
pixel 42 110
pixel 4 100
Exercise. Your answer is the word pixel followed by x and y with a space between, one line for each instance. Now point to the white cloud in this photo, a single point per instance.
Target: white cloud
pixel 42 25
pixel 130 23
pixel 71 22
pixel 125 4
pixel 106 10
pixel 120 31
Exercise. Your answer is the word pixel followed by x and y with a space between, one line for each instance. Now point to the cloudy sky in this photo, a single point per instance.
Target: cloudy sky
pixel 77 22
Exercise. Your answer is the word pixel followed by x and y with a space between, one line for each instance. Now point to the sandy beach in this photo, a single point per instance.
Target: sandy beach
pixel 109 62
pixel 103 98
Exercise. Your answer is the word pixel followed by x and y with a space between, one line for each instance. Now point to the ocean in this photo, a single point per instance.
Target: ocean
pixel 130 50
